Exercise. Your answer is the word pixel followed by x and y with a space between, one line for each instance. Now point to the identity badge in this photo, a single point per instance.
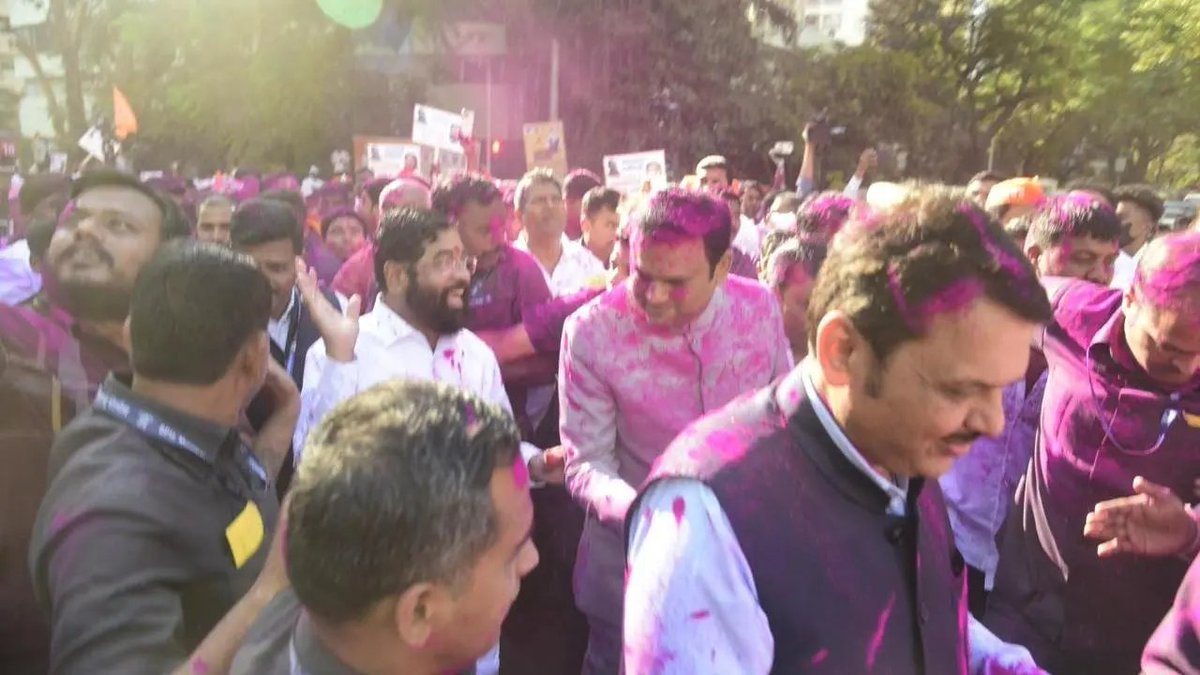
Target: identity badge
pixel 245 534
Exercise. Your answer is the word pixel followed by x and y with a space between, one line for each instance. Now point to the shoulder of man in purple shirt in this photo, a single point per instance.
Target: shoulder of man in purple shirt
pixel 1175 646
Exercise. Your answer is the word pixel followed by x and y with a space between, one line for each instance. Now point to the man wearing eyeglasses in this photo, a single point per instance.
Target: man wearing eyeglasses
pixel 1122 400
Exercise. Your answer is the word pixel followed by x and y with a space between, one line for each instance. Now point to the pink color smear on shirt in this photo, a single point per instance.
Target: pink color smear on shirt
pixel 880 630
pixel 702 614
pixel 678 506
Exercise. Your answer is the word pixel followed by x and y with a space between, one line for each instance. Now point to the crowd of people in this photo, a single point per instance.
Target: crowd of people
pixel 379 426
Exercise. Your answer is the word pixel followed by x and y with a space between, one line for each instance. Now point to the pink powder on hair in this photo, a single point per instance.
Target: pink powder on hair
pixel 1016 267
pixel 678 506
pixel 1169 267
pixel 520 473
pixel 880 629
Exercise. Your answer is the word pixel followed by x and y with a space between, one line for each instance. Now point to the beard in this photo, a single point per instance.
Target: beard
pixel 433 307
pixel 85 298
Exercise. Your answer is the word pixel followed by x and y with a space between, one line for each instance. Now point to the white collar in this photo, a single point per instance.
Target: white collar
pixel 384 323
pixel 287 311
pixel 897 492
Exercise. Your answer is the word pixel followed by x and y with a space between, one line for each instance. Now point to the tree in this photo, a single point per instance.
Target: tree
pixel 262 83
pixel 77 33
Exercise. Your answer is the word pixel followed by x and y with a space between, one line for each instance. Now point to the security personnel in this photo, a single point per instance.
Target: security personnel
pixel 158 519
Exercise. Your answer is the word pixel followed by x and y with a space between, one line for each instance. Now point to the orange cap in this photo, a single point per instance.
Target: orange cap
pixel 1016 192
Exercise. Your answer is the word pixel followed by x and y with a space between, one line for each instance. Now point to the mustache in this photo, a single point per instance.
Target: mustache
pixel 72 250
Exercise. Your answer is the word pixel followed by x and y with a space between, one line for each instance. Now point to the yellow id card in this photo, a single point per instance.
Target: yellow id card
pixel 245 534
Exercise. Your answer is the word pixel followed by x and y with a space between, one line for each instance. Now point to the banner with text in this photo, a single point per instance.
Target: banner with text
pixel 636 172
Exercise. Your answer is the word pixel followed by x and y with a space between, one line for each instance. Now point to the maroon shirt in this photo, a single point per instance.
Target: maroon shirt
pixel 49 370
pixel 1100 417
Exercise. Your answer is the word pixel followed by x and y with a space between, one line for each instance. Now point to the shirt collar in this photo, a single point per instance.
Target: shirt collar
pixel 392 328
pixel 208 437
pixel 287 311
pixel 789 391
pixel 310 656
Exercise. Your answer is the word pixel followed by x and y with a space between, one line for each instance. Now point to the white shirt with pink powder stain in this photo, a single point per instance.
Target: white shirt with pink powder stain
pixel 626 389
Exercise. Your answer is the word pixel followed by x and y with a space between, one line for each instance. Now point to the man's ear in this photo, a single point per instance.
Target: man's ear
pixel 838 343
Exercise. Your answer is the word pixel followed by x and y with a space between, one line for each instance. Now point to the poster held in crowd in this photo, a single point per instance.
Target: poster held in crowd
pixel 546 146
pixel 631 173
pixel 387 160
pixel 441 129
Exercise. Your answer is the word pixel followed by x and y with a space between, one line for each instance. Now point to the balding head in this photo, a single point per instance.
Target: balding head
pixel 1162 310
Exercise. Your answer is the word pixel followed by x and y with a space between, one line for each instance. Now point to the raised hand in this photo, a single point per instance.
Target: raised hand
pixel 1152 522
pixel 339 330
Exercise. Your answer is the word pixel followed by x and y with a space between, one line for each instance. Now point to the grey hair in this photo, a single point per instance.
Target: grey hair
pixel 538 176
pixel 395 490
pixel 217 199
pixel 808 255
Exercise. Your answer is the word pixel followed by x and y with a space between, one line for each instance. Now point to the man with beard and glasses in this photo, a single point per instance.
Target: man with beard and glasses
pixel 415 331
pixel 53 362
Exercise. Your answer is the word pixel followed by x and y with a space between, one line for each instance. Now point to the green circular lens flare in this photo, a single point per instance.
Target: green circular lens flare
pixel 352 13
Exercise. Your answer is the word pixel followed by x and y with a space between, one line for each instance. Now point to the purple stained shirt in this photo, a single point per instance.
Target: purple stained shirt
pixel 1174 649
pixel 41 354
pixel 626 389
pixel 1101 418
pixel 503 294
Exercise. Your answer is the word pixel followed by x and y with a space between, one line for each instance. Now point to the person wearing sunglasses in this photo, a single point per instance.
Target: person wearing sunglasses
pixel 1121 401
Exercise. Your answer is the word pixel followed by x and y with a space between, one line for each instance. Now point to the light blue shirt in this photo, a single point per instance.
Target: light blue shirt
pixel 691 605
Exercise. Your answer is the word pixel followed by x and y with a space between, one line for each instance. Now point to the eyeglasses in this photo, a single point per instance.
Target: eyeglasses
pixel 1170 414
pixel 446 264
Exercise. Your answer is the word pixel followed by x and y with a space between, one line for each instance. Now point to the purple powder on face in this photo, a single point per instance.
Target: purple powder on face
pixel 469 413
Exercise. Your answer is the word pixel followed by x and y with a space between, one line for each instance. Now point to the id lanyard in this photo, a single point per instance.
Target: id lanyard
pixel 289 347
pixel 149 424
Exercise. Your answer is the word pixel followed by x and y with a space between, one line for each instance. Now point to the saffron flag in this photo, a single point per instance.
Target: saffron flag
pixel 124 121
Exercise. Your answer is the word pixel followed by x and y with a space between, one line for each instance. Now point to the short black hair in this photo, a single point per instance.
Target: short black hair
pixel 579 182
pixel 1072 215
pixel 174 223
pixel 676 213
pixel 890 272
pixel 452 196
pixel 259 221
pixel 395 490
pixel 293 200
pixel 374 188
pixel 38 233
pixel 600 198
pixel 403 235
pixel 1144 196
pixel 193 308
pixel 986 177
pixel 340 213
